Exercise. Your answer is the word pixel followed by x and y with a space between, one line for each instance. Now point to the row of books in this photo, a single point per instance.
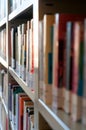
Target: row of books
pixel 62 63
pixel 15 4
pixel 21 108
pixel 22 51
pixel 2 9
pixel 3 118
pixel 3 45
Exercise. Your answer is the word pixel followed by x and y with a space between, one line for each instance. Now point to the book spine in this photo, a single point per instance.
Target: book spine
pixel 48 20
pixel 55 69
pixel 84 82
pixel 75 69
pixel 69 60
pixel 41 68
pixel 77 99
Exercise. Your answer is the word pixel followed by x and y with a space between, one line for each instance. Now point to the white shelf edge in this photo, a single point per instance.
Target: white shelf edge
pixel 3 21
pixel 20 9
pixel 2 100
pixel 22 84
pixel 3 62
pixel 4 106
pixel 53 120
pixel 12 127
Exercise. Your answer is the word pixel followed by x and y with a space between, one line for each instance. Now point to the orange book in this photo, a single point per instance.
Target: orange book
pixel 21 110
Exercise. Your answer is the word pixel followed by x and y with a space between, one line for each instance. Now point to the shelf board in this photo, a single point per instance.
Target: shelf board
pixel 62 121
pixel 5 107
pixel 20 9
pixel 11 124
pixel 51 118
pixel 22 84
pixel 3 62
pixel 3 21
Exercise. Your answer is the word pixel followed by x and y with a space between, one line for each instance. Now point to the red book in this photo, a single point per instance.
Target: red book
pixel 21 110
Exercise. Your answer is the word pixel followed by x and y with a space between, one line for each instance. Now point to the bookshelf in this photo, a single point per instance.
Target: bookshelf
pixel 22 62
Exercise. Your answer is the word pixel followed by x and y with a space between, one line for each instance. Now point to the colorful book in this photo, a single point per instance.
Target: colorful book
pixel 48 21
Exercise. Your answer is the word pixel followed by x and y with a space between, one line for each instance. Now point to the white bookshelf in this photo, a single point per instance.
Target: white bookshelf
pixel 36 10
pixel 3 103
pixel 4 62
pixel 6 109
pixel 51 118
pixel 3 21
pixel 20 9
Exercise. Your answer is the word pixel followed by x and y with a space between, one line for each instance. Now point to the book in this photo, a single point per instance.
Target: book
pixel 32 58
pixel 17 109
pixel 84 78
pixel 27 51
pixel 13 48
pixel 75 75
pixel 15 90
pixel 48 21
pixel 55 69
pixel 5 89
pixel 69 59
pixel 41 65
pixel 27 104
pixel 77 99
pixel 16 48
pixel 30 112
pixel 2 72
pixel 58 61
pixel 19 28
pixel 21 110
pixel 23 52
pixel 11 88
